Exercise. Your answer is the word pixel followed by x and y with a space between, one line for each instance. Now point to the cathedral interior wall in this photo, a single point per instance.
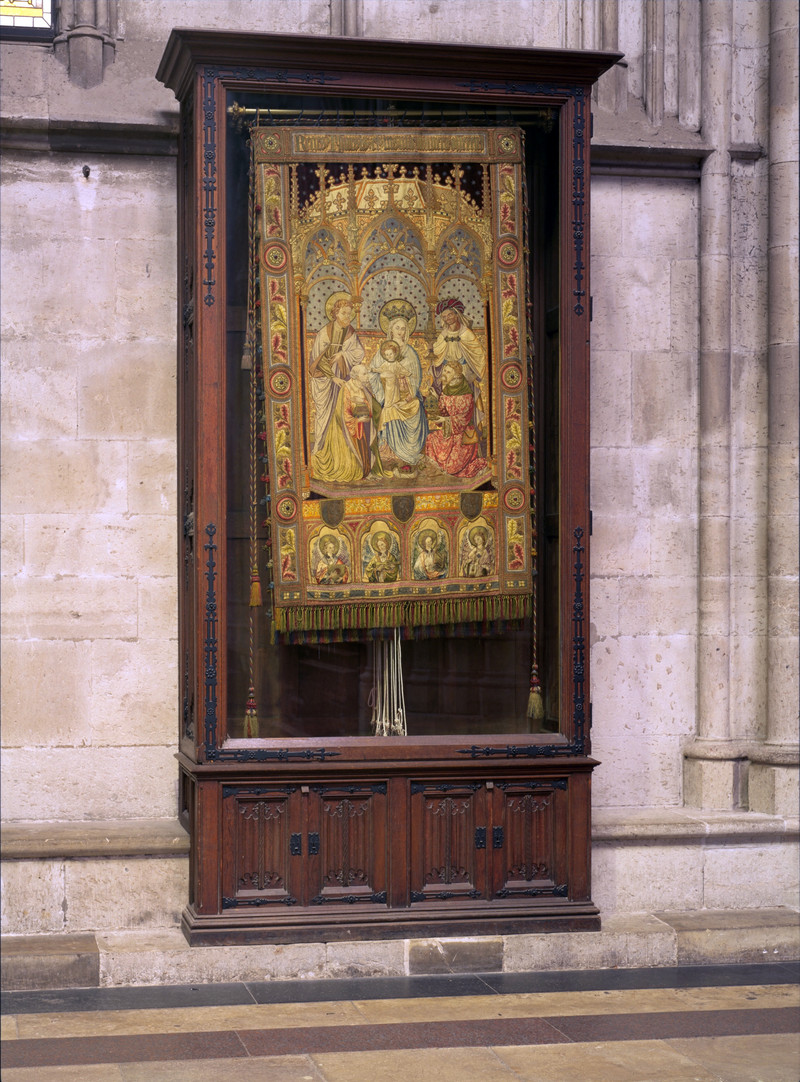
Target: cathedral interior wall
pixel 694 639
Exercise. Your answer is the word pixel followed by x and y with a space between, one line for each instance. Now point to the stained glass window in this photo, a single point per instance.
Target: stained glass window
pixel 26 15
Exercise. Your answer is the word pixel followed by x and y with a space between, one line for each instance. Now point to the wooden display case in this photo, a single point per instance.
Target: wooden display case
pixel 303 824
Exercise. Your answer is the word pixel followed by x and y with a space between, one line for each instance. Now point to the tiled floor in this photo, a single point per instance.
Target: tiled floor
pixel 693 1024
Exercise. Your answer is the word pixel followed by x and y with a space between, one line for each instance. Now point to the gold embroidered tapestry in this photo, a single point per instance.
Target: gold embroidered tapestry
pixel 393 373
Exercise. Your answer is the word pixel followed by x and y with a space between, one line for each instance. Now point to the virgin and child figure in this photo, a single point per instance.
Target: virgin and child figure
pixel 362 404
pixel 404 423
pixel 347 397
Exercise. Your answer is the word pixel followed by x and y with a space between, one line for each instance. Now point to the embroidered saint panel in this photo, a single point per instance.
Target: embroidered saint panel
pixel 393 376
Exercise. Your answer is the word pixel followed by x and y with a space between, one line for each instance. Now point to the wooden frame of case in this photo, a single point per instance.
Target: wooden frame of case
pixel 520 830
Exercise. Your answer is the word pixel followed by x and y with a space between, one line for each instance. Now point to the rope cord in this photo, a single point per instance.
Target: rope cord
pixel 535 701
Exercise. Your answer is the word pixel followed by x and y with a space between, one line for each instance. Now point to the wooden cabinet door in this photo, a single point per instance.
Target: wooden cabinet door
pixel 529 839
pixel 448 841
pixel 347 841
pixel 262 846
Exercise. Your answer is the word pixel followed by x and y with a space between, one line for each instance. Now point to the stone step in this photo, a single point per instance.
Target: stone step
pixel 624 941
pixel 36 962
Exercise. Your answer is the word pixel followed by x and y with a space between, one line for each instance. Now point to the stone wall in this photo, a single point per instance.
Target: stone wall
pixel 694 407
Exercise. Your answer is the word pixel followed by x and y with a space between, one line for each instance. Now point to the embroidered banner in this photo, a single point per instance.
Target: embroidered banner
pixel 394 367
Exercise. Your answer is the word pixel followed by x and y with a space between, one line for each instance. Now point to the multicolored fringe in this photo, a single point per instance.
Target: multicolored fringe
pixel 292 624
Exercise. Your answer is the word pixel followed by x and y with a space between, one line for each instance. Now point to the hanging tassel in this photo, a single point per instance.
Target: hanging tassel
pixel 535 700
pixel 255 589
pixel 247 357
pixel 387 698
pixel 251 714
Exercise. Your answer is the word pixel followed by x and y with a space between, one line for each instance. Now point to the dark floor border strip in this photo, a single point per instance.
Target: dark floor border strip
pixel 152 997
pixel 146 1048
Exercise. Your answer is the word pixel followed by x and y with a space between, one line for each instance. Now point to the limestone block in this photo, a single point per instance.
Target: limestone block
pixel 658 606
pixel 22 272
pixel 749 216
pixel 645 682
pixel 784 677
pixel 487 23
pixel 64 476
pixel 604 610
pixel 715 444
pixel 637 940
pixel 100 545
pixel 659 216
pixel 152 483
pixel 713 666
pixel 158 608
pixel 665 480
pixel 749 605
pixel 629 309
pixel 664 398
pixel 45 692
pixel 126 838
pixel 606 194
pixel 293 961
pixel 784 544
pixel 640 878
pixel 115 894
pixel 32 897
pixel 713 534
pixel 39 403
pixel 783 607
pixel 123 194
pixel 650 777
pixel 164 957
pixel 39 962
pixel 12 542
pixel 373 958
pixel 69 608
pixel 684 825
pixel 783 303
pixel 134 693
pixel 747 936
pixel 715 606
pixel 612 481
pixel 24 92
pixel 611 398
pixel 473 954
pixel 748 488
pixel 631 42
pixel 783 215
pixel 748 685
pixel 93 783
pixel 748 547
pixel 89 260
pixel 145 295
pixel 714 783
pixel 773 789
pixel 783 401
pixel 684 300
pixel 783 472
pixel 21 352
pixel 673 546
pixel 620 545
pixel 127 390
pixel 154 20
pixel 750 71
